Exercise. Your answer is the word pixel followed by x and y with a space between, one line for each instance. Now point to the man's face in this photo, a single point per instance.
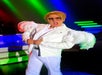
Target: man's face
pixel 55 20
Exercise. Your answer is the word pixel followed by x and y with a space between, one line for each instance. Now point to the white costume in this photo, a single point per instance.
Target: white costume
pixel 54 41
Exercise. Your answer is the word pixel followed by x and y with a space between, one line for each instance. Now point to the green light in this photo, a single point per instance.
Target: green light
pixel 78 22
pixel 13 57
pixel 13 9
pixel 38 6
pixel 91 26
pixel 87 24
pixel 13 60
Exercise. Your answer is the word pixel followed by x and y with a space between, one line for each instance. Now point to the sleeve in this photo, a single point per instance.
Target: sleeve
pixel 67 43
pixel 85 40
pixel 27 27
pixel 25 36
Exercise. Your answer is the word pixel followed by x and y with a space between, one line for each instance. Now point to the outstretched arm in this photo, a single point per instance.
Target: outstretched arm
pixel 85 40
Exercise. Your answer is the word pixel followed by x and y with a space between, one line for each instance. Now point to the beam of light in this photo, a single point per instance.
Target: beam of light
pixel 13 9
pixel 82 22
pixel 94 28
pixel 3 15
pixel 87 24
pixel 59 5
pixel 91 26
pixel 93 31
pixel 38 6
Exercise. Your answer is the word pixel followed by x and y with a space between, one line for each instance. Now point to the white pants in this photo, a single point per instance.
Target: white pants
pixel 35 64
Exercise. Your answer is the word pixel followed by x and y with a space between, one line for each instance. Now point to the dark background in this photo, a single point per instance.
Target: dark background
pixel 76 10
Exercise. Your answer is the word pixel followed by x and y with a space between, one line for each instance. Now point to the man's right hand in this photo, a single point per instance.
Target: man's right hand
pixel 36 42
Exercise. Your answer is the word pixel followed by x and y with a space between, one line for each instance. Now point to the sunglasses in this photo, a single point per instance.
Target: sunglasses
pixel 56 18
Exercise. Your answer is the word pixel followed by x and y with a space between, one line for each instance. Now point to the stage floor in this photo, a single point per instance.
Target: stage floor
pixel 19 69
pixel 73 63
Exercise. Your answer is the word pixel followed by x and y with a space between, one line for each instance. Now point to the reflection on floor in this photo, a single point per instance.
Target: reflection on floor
pixel 13 57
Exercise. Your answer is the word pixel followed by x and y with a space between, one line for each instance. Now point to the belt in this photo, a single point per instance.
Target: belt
pixel 37 48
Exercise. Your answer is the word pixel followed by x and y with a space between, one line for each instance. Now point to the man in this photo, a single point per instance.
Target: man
pixel 48 40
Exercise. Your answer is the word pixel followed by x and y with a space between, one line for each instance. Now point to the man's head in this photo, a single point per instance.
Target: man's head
pixel 55 18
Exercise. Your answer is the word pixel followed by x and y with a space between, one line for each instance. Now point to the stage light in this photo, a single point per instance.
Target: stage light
pixel 82 22
pixel 12 7
pixel 59 5
pixel 87 24
pixel 36 4
pixel 91 26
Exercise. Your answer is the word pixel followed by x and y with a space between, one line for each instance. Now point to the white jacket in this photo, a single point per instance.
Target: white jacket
pixel 62 38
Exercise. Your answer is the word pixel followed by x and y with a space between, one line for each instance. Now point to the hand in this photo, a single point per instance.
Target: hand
pixel 36 42
pixel 30 41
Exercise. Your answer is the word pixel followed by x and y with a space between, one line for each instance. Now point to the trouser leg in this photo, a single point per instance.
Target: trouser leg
pixel 34 65
pixel 53 65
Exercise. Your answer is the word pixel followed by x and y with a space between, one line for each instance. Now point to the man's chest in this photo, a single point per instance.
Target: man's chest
pixel 55 35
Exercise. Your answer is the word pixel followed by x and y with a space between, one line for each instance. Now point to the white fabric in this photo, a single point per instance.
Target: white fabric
pixel 41 33
pixel 60 38
pixel 54 41
pixel 51 47
pixel 86 40
pixel 35 64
